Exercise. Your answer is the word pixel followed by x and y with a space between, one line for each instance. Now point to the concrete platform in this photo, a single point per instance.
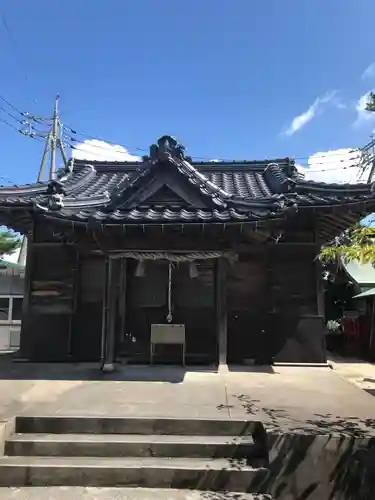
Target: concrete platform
pixel 130 445
pixel 358 372
pixel 203 474
pixel 71 493
pixel 307 412
pixel 286 398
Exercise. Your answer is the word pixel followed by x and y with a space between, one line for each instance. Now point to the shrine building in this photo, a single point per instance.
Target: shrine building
pixel 169 260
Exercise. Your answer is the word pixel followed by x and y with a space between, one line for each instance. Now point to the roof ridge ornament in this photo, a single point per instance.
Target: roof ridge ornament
pixel 282 180
pixel 63 173
pixel 54 197
pixel 166 145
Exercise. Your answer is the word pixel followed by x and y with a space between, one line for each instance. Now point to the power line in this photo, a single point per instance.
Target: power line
pixel 13 45
pixel 41 120
pixel 32 135
pixel 98 146
pixel 37 134
pixel 11 115
pixel 308 170
pixel 74 132
pixel 10 125
pixel 306 167
pixel 12 106
pixel 7 180
pixel 31 130
pixel 103 148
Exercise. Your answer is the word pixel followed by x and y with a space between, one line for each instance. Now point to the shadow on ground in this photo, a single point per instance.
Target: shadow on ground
pixel 12 369
pixel 252 369
pixel 323 458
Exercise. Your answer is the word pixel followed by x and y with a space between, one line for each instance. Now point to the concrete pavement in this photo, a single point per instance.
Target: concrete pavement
pixel 289 398
pixel 358 372
pixel 69 493
pixel 305 407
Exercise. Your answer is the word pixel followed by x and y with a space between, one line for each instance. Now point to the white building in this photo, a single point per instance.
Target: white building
pixel 12 273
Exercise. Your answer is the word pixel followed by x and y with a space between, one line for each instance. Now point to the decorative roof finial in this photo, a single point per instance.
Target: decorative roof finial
pixel 167 145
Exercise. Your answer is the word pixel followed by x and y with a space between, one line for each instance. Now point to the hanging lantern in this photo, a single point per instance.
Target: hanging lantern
pixel 193 270
pixel 140 270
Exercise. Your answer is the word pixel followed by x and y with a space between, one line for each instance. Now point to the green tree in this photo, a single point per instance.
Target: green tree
pixel 370 106
pixel 356 244
pixel 9 242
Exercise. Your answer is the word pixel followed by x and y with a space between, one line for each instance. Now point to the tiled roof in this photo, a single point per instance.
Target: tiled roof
pixel 117 192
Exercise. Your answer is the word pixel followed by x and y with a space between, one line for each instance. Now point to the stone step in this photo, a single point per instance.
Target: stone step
pixel 128 445
pixel 177 473
pixel 60 424
pixel 91 493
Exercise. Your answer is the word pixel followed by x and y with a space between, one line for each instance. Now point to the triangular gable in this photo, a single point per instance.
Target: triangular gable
pixel 163 182
pixel 165 195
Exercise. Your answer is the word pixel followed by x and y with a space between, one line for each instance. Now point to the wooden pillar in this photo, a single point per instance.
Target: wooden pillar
pixel 26 327
pixel 320 293
pixel 122 299
pixel 76 278
pixel 221 309
pixel 103 340
pixel 320 309
pixel 110 320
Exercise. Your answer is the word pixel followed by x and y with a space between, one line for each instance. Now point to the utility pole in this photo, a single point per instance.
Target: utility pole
pixel 55 119
pixel 53 142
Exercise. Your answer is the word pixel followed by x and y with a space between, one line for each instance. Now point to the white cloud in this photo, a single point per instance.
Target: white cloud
pixel 364 116
pixel 102 151
pixel 369 72
pixel 336 166
pixel 316 108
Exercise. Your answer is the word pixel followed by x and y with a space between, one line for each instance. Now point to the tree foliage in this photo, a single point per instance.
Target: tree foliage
pixel 370 106
pixel 356 244
pixel 9 242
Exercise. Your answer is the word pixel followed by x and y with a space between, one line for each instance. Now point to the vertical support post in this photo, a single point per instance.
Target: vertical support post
pixel 122 299
pixel 104 314
pixel 112 300
pixel 26 330
pixel 318 276
pixel 320 304
pixel 76 280
pixel 221 309
pixel 319 289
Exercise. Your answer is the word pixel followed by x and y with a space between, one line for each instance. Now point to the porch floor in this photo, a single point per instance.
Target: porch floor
pixel 283 397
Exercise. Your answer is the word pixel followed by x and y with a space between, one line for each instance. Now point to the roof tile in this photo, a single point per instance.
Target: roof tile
pixel 237 191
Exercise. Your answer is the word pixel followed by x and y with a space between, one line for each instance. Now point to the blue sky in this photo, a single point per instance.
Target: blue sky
pixel 226 78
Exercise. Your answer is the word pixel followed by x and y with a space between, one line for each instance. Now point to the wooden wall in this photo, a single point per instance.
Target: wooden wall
pixel 49 301
pixel 273 307
pixel 271 302
pixel 246 303
pixel 87 319
pixel 295 330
